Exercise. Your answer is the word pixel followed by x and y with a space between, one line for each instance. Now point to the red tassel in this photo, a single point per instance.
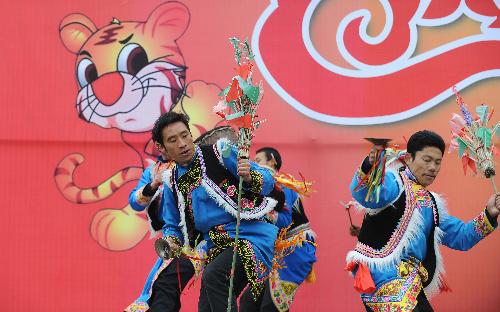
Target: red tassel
pixel 363 281
pixel 444 285
pixel 179 276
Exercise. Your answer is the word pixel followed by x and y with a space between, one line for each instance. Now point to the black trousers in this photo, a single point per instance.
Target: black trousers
pixel 264 302
pixel 423 304
pixel 166 293
pixel 214 290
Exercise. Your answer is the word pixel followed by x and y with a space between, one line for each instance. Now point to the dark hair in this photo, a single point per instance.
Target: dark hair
pixel 270 154
pixel 422 139
pixel 166 120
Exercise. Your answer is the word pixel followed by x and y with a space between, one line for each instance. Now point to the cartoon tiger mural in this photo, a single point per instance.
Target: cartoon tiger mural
pixel 128 74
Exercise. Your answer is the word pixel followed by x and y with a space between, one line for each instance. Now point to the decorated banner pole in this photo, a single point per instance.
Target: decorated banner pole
pixel 238 107
pixel 472 137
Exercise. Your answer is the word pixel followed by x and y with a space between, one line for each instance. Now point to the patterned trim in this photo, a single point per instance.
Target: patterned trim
pixel 282 292
pixel 137 306
pixel 257 182
pixel 408 228
pixel 399 294
pixel 248 211
pixel 255 270
pixel 482 225
pixel 412 200
pixel 218 149
pixel 303 229
pixel 182 207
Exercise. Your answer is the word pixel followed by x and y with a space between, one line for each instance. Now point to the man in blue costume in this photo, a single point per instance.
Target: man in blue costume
pixel 295 266
pixel 200 195
pixel 396 262
pixel 168 277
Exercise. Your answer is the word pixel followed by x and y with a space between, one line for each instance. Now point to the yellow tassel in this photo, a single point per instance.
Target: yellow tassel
pixel 311 278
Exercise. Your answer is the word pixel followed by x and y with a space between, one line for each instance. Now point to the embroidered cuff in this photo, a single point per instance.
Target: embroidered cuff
pixel 272 216
pixel 493 220
pixel 175 239
pixel 482 225
pixel 140 198
pixel 257 182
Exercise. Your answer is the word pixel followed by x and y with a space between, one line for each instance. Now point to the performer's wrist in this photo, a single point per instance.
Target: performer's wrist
pixel 366 165
pixel 149 190
pixel 491 214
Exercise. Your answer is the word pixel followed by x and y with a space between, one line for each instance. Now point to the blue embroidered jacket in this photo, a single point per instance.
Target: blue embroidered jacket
pixel 205 193
pixel 400 235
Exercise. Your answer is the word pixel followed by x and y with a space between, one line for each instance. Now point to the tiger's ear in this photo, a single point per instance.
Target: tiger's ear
pixel 169 20
pixel 75 29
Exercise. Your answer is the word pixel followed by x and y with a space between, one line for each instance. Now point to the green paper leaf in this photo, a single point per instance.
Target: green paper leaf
pixel 482 112
pixel 484 135
pixel 232 105
pixel 237 52
pixel 250 91
pixel 497 130
pixel 462 147
pixel 248 50
pixel 235 115
pixel 225 91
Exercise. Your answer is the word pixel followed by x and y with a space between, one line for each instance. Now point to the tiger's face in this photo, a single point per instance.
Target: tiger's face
pixel 128 73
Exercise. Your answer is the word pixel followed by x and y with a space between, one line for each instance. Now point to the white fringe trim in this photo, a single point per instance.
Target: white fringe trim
pixel 441 206
pixel 167 178
pixel 232 207
pixel 182 207
pixel 219 145
pixel 435 285
pixel 394 258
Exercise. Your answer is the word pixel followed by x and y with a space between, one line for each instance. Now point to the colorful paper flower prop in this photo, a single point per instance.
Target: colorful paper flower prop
pixel 238 107
pixel 239 101
pixel 473 139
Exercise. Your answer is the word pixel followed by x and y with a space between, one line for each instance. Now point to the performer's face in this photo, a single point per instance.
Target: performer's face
pixel 426 164
pixel 178 143
pixel 261 160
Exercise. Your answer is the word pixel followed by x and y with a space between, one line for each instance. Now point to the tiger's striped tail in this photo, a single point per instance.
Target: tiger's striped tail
pixel 63 176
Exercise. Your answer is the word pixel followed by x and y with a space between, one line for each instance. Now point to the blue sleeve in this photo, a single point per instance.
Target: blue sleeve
pixel 171 216
pixel 138 201
pixel 262 179
pixel 285 216
pixel 463 236
pixel 389 190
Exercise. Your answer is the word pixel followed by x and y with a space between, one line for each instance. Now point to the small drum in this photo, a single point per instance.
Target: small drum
pixel 211 136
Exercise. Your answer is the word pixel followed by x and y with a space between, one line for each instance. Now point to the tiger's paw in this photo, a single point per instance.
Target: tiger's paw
pixel 198 105
pixel 118 229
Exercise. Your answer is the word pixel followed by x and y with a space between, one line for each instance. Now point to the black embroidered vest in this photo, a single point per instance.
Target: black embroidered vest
pixel 377 230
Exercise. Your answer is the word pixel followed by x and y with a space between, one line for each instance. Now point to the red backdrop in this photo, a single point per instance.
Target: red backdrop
pixel 333 73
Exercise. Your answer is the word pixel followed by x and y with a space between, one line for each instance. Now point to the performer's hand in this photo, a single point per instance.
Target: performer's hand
pixel 493 205
pixel 173 245
pixel 158 179
pixel 373 153
pixel 354 230
pixel 244 170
